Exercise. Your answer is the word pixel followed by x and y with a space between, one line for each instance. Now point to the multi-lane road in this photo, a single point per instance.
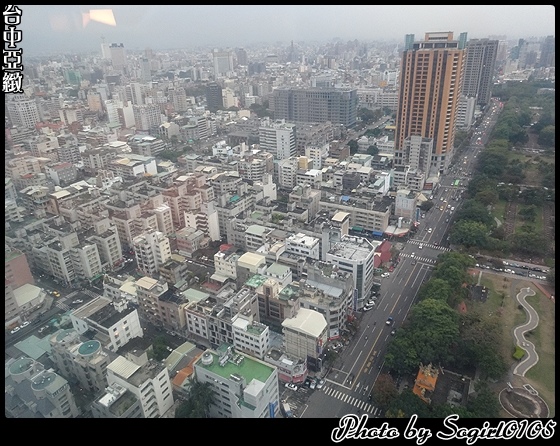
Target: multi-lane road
pixel 349 382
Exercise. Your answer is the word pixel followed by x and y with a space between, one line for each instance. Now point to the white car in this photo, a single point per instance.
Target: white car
pixel 420 246
pixel 430 230
pixel 25 324
pixel 385 275
pixel 320 384
pixel 15 330
pixel 291 386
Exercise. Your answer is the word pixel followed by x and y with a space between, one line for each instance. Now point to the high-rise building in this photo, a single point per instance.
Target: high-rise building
pixel 242 58
pixel 214 100
pixel 147 117
pixel 22 111
pixel 430 88
pixel 152 250
pixel 145 69
pixel 223 62
pixel 480 59
pixel 118 58
pixel 547 52
pixel 306 105
pixel 278 138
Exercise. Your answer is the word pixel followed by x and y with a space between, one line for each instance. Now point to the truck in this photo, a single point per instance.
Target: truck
pixel 287 410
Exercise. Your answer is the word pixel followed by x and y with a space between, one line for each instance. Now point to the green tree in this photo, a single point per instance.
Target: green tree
pixel 197 405
pixel 528 213
pixel 547 136
pixel 487 196
pixel 435 329
pixel 426 205
pixel 469 233
pixel 486 404
pixel 384 390
pixel 435 289
pixel 373 150
pixel 475 211
pixel 353 144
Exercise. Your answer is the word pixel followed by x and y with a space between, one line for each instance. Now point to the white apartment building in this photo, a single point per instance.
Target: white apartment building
pixel 281 273
pixel 147 379
pixel 304 245
pixel 305 336
pixel 31 391
pixel 225 264
pixel 311 177
pixel 255 237
pixel 250 337
pixel 146 117
pixel 244 387
pixel 83 359
pixel 115 322
pixel 132 165
pixel 152 249
pixel 317 154
pixel 106 237
pixel 355 255
pixel 278 138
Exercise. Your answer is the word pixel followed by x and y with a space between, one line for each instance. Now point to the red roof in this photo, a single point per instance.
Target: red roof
pixel 385 246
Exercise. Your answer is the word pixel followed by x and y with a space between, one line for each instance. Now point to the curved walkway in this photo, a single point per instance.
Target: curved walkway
pixel 524 402
pixel 531 357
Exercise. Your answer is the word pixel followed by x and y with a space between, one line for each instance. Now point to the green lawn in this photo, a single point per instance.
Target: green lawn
pixel 498 210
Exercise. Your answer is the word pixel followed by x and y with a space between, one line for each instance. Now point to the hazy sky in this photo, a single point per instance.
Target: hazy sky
pixel 57 28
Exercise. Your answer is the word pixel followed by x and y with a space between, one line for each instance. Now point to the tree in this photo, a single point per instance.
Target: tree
pixel 427 205
pixel 487 196
pixel 384 390
pixel 434 328
pixel 486 404
pixel 197 405
pixel 475 211
pixel 435 289
pixel 528 213
pixel 373 150
pixel 547 136
pixel 469 233
pixel 353 144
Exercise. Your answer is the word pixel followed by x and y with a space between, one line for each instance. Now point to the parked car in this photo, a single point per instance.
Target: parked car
pixel 313 384
pixel 291 386
pixel 320 384
pixel 15 330
pixel 25 324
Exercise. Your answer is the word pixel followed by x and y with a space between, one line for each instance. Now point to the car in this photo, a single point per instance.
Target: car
pixel 436 243
pixel 370 302
pixel 42 329
pixel 389 320
pixel 77 301
pixel 25 324
pixel 367 308
pixel 307 382
pixel 430 230
pixel 393 331
pixel 350 379
pixel 447 220
pixel 291 386
pixel 385 275
pixel 413 262
pixel 15 330
pixel 313 384
pixel 452 208
pixel 420 246
pixel 412 255
pixel 320 384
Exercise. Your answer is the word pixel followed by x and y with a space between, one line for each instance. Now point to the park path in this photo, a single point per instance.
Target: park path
pixel 531 357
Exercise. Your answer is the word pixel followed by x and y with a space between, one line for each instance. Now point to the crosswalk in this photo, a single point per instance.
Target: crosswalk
pixel 428 245
pixel 420 259
pixel 63 306
pixel 349 399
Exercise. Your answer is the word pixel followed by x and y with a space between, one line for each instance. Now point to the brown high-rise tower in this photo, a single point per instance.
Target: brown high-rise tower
pixel 430 87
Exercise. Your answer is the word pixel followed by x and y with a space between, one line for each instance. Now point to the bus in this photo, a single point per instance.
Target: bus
pixel 456 183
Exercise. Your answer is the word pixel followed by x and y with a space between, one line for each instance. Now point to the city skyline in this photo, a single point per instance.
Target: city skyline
pixel 48 29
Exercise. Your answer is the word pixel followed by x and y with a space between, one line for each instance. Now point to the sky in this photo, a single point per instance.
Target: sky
pixel 71 28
